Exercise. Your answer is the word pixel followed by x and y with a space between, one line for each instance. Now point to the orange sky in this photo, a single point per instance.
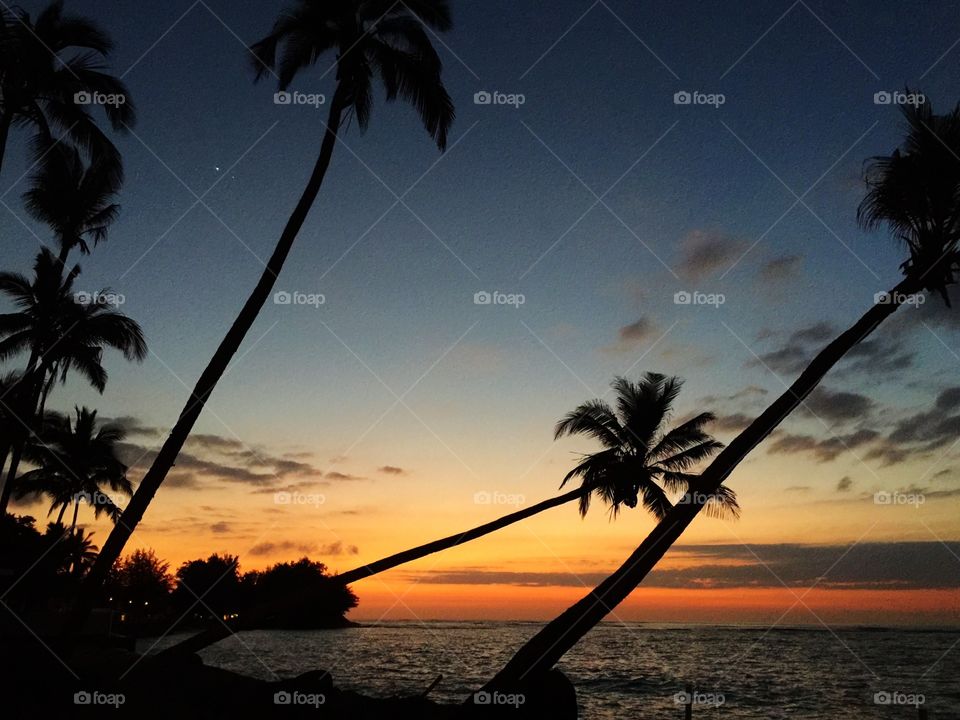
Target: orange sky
pixel 363 519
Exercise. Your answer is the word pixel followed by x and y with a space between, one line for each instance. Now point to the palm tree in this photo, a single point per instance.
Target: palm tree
pixel 915 192
pixel 80 550
pixel 640 461
pixel 48 67
pixel 73 199
pixel 370 38
pixel 76 461
pixel 59 334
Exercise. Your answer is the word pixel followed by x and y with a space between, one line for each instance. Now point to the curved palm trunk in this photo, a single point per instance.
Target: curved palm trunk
pixel 44 394
pixel 208 379
pixel 63 510
pixel 250 619
pixel 27 408
pixel 542 651
pixel 5 121
pixel 64 252
pixel 76 509
pixel 11 477
pixel 6 491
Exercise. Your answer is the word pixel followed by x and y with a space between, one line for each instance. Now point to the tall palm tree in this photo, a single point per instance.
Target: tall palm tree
pixel 76 461
pixel 73 198
pixel 58 334
pixel 641 462
pixel 46 65
pixel 370 38
pixel 915 193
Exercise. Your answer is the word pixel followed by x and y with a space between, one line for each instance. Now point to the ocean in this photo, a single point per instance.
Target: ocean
pixel 634 670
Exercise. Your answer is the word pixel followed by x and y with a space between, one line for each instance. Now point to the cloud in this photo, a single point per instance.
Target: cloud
pixel 883 354
pixel 865 566
pixel 338 548
pixel 284 546
pixel 133 426
pixel 823 449
pixel 287 546
pixel 705 253
pixel 889 455
pixel 629 336
pixel 391 470
pixel 735 422
pixel 949 399
pixel 750 392
pixel 844 484
pixel 208 457
pixel 838 406
pixel 779 269
pixel 879 355
pixel 288 488
pixel 794 354
pixel 334 475
pixel 220 527
pixel 817 333
pixel 921 433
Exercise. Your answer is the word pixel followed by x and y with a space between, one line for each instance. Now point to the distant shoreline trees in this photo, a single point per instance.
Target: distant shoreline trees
pixel 147 599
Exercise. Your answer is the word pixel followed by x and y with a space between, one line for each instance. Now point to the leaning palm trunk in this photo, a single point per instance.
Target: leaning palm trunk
pixel 211 375
pixel 543 651
pixel 250 619
pixel 6 119
pixel 28 409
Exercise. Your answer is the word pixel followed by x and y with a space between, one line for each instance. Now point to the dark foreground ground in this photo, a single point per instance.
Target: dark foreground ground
pixel 39 679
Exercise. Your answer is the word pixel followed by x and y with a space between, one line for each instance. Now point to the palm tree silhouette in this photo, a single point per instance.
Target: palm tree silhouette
pixel 73 199
pixel 51 65
pixel 371 38
pixel 76 460
pixel 915 192
pixel 641 462
pixel 59 333
pixel 637 453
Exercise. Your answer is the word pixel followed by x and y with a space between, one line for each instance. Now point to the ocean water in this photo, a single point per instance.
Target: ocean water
pixel 635 670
